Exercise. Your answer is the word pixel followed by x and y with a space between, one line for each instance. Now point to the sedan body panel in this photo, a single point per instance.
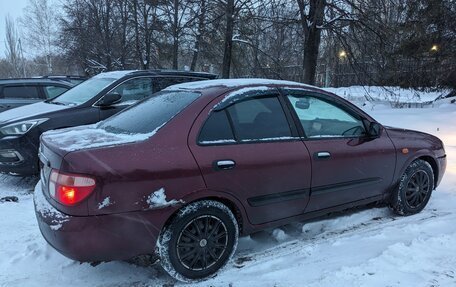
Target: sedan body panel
pixel 266 182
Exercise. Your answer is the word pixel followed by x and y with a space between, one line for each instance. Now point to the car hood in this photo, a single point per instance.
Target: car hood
pixel 32 111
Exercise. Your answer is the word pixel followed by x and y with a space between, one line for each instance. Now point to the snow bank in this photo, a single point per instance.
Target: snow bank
pixel 365 247
pixel 361 94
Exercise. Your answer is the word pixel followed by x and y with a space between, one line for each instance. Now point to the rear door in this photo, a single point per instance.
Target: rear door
pixel 249 149
pixel 13 96
pixel 347 166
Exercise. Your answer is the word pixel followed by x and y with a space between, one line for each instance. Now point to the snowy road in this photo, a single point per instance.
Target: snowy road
pixel 366 247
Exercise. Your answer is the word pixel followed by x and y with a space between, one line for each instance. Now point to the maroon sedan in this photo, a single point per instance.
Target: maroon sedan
pixel 187 171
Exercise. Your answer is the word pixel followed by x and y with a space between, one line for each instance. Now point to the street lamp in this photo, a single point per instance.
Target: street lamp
pixel 434 48
pixel 342 54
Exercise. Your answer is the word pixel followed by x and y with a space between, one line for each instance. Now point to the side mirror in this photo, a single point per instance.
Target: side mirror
pixel 110 99
pixel 374 130
pixel 303 104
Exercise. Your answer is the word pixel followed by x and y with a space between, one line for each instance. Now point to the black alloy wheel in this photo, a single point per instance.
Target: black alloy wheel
pixel 202 242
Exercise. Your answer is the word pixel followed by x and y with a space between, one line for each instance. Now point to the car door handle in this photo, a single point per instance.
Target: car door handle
pixel 224 164
pixel 323 154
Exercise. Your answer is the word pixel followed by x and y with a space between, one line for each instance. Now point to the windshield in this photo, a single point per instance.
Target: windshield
pixel 83 92
pixel 151 114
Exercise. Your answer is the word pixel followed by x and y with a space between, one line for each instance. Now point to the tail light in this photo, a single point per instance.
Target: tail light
pixel 70 189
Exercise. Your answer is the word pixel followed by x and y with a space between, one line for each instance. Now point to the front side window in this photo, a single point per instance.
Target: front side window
pixel 150 115
pixel 21 92
pixel 321 118
pixel 134 90
pixel 54 91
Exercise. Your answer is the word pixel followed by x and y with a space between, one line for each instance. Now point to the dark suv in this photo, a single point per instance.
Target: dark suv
pixel 89 102
pixel 19 92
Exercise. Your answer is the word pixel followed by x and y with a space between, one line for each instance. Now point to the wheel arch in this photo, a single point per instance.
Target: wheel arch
pixel 433 163
pixel 232 203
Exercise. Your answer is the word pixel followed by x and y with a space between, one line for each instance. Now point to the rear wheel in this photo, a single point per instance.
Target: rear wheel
pixel 199 241
pixel 414 189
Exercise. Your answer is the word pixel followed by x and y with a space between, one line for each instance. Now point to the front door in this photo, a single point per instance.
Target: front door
pixel 347 165
pixel 250 151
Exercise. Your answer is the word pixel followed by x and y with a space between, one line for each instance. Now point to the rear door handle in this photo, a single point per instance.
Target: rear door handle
pixel 323 154
pixel 224 164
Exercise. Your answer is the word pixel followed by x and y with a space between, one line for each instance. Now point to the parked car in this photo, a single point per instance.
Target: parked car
pixel 19 92
pixel 73 79
pixel 89 102
pixel 187 171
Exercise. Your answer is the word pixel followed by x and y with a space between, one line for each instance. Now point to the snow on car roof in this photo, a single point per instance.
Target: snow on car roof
pixel 232 83
pixel 114 74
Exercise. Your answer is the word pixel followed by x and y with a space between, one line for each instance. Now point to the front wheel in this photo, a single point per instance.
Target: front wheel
pixel 199 241
pixel 414 189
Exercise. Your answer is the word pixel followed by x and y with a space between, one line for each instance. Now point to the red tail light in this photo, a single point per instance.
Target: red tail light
pixel 70 189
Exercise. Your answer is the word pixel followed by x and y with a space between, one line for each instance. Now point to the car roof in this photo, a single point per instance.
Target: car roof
pixel 225 85
pixel 16 81
pixel 120 74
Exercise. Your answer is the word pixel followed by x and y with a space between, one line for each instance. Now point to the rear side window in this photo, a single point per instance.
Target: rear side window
pixel 254 119
pixel 162 83
pixel 21 92
pixel 54 91
pixel 149 115
pixel 216 129
pixel 259 119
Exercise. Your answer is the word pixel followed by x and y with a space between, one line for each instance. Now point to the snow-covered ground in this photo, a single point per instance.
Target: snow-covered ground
pixel 381 94
pixel 363 247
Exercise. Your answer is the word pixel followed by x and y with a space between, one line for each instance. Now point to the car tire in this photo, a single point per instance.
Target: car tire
pixel 199 241
pixel 414 190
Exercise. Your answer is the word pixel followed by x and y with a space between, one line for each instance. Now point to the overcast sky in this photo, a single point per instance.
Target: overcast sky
pixel 14 8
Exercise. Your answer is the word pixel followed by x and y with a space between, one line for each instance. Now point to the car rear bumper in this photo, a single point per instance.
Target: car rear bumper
pixel 98 238
pixel 25 149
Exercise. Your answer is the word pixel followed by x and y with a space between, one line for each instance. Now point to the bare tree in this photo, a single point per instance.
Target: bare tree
pixel 14 54
pixel 41 30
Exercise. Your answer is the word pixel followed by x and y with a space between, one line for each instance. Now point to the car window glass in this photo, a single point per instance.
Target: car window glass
pixel 216 129
pixel 54 91
pixel 21 92
pixel 259 119
pixel 162 83
pixel 149 115
pixel 134 90
pixel 320 118
pixel 84 91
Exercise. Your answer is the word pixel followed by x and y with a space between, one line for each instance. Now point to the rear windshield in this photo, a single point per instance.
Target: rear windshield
pixel 149 115
pixel 83 92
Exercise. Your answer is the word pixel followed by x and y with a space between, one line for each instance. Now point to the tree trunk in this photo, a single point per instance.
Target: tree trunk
pixel 226 65
pixel 312 37
pixel 199 36
pixel 137 41
pixel 175 34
